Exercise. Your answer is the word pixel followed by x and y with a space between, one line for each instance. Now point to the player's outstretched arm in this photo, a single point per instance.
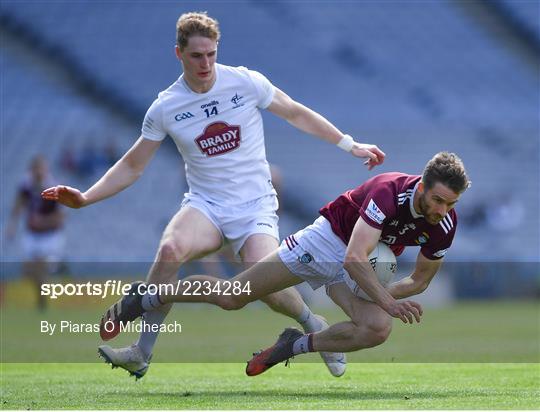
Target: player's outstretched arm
pixel 418 281
pixel 313 123
pixel 363 240
pixel 123 174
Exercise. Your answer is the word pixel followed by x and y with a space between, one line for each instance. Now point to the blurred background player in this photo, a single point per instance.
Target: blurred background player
pixel 43 238
pixel 212 112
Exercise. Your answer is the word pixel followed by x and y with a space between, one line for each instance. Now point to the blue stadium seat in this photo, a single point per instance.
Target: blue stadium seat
pixel 413 77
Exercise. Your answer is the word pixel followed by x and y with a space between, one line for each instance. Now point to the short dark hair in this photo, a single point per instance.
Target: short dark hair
pixel 195 23
pixel 448 169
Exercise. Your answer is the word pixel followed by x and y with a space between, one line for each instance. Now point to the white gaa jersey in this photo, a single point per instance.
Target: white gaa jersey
pixel 219 134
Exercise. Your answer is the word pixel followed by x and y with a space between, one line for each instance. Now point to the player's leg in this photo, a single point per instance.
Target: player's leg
pixel 265 277
pixel 36 270
pixel 189 234
pixel 254 234
pixel 35 266
pixel 290 303
pixel 369 326
pixel 221 261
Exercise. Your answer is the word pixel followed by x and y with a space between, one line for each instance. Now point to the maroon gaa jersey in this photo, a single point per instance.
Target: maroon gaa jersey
pixel 385 202
pixel 34 203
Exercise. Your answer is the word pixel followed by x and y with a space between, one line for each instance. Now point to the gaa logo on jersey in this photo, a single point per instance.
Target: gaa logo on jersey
pixel 183 116
pixel 423 238
pixel 218 138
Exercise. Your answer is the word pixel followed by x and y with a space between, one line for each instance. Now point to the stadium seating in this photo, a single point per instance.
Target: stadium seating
pixel 44 116
pixel 525 12
pixel 415 78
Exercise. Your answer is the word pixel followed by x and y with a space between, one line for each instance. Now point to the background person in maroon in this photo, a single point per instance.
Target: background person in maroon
pixel 401 209
pixel 42 239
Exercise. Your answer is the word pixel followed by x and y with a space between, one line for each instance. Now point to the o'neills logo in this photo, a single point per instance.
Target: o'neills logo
pixel 219 138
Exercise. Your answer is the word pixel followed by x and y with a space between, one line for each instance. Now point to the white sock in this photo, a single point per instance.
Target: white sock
pixel 308 320
pixel 303 344
pixel 151 302
pixel 147 339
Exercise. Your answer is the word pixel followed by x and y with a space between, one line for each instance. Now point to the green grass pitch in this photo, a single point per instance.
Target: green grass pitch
pixel 469 356
pixel 302 386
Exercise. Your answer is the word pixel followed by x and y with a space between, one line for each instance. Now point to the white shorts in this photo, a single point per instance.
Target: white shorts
pixel 237 223
pixel 315 254
pixel 48 245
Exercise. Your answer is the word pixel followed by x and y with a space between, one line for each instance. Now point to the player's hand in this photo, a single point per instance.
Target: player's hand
pixel 371 152
pixel 408 311
pixel 68 196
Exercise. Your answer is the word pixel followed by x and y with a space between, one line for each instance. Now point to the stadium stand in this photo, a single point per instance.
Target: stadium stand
pixel 43 114
pixel 526 14
pixel 415 78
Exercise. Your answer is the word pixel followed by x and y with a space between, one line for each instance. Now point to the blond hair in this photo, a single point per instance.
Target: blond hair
pixel 195 24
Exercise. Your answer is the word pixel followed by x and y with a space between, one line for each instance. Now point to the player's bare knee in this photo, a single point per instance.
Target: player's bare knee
pixel 171 252
pixel 379 332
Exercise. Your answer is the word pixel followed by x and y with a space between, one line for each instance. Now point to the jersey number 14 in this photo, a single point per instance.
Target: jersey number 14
pixel 212 112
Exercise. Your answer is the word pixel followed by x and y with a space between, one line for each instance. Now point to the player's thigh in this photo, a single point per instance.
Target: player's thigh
pixel 267 276
pixel 193 233
pixel 245 227
pixel 359 310
pixel 257 247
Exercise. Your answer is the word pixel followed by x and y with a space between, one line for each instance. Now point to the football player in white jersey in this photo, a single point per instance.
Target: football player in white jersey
pixel 212 112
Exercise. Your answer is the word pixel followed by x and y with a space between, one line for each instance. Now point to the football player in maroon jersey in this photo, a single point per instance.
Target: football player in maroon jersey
pixel 396 208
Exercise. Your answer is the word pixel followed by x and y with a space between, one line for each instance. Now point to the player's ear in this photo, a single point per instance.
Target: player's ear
pixel 420 187
pixel 178 52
